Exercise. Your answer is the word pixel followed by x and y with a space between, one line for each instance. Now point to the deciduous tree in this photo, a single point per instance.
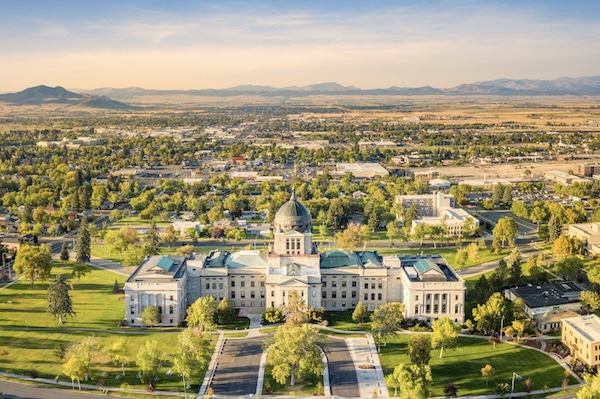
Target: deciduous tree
pixel 360 314
pixel 80 270
pixel 351 238
pixel 386 320
pixel 192 355
pixel 445 334
pixel 33 262
pixel 119 353
pixel 151 316
pixel 201 313
pixel 419 349
pixel 147 361
pixel 295 310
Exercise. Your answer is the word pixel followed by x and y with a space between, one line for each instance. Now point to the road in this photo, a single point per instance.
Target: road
pixel 13 390
pixel 342 373
pixel 237 367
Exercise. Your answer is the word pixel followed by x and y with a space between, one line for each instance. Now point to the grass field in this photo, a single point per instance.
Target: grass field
pixel 343 321
pixel 462 366
pixel 23 305
pixel 31 349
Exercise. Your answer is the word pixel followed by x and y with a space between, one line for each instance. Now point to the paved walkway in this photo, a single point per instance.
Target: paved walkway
pixel 370 377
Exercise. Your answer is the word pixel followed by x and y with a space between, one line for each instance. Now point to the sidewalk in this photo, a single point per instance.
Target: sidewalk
pixel 364 353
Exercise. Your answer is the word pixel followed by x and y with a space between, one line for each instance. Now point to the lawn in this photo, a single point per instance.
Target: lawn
pixel 462 366
pixel 343 321
pixel 24 305
pixel 137 221
pixel 24 351
pixel 309 385
pixel 449 253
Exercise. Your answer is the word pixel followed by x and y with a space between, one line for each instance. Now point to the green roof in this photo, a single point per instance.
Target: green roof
pixel 332 259
pixel 425 265
pixel 165 263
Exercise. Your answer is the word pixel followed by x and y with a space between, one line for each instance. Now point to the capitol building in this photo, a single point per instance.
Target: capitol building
pixel 254 280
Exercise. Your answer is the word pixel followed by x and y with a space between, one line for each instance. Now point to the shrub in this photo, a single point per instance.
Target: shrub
pixel 33 373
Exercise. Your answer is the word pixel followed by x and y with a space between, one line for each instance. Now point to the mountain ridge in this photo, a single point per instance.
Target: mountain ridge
pixel 42 94
pixel 587 85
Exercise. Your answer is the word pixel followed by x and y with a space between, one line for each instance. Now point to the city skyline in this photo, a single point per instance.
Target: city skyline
pixel 209 44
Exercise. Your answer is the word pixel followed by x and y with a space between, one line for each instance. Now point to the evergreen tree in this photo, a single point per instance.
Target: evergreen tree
pixel 514 267
pixel 554 228
pixel 116 289
pixel 64 252
pixel 60 304
pixel 482 290
pixel 84 242
pixel 153 240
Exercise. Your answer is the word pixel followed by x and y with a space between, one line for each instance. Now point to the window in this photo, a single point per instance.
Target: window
pixel 436 308
pixel 262 294
pixel 372 286
pixel 314 294
pixel 262 284
pixel 333 284
pixel 444 297
pixel 272 293
pixel 334 294
pixel 160 310
pixel 456 308
pixel 242 283
pixel 353 294
pixel 324 294
pixel 232 294
pixel 251 294
pixel 416 297
pixel 428 308
pixel 373 296
pixel 416 309
pixel 171 298
pixel 324 284
pixel 251 283
pixel 343 294
pixel 132 309
pixel 366 286
pixel 444 308
pixel 456 297
pixel 272 304
pixel 208 286
pixel 243 294
pixel 344 284
pixel 379 296
pixel 220 286
pixel 380 286
pixel 354 284
pixel 132 298
pixel 233 283
pixel 214 285
pixel 366 296
pixel 171 309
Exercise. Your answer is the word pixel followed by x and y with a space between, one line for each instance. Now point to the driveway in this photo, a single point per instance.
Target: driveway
pixel 342 373
pixel 237 367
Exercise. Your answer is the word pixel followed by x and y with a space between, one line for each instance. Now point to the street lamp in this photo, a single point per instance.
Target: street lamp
pixel 518 377
pixel 501 327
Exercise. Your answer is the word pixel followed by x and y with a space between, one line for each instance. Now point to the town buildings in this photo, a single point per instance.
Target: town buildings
pixel 334 280
pixel 581 335
pixel 588 234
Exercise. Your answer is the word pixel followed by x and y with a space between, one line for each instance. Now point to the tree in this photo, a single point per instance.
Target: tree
pixel 64 251
pixel 293 353
pixel 413 380
pixel 152 240
pixel 151 316
pixel 119 353
pixel 192 233
pixel 507 195
pixel 236 233
pixel 386 320
pixel 60 304
pixel 225 313
pixel 411 214
pixel 392 231
pixel 360 314
pixel 561 247
pixel 515 273
pixel 487 373
pixel 352 237
pixel 115 241
pixel 473 251
pixel 569 268
pixel 450 390
pixel 170 236
pixel 419 349
pixel 147 361
pixel 488 316
pixel 497 193
pixel 337 217
pixel 538 215
pixel 506 230
pixel 185 250
pixel 83 245
pixel 590 301
pixel 79 359
pixel 192 355
pixel 554 227
pixel 80 270
pixel 60 351
pixel 75 368
pixel 33 262
pixel 201 313
pixel 482 290
pixel 116 289
pixel 445 334
pixel 272 315
pixel 295 309
pixel 594 275
pixel 592 389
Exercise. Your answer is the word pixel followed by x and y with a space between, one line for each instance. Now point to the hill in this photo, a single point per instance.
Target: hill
pixel 41 95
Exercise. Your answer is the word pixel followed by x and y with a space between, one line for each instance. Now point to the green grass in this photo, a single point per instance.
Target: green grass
pixel 32 350
pixel 449 253
pixel 137 221
pixel 343 321
pixel 236 334
pixel 93 301
pixel 462 366
pixel 304 387
pixel 239 323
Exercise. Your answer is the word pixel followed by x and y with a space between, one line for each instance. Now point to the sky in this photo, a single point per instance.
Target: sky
pixel 220 43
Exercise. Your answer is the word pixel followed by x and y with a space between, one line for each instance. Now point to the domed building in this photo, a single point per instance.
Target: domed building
pixel 255 280
pixel 292 229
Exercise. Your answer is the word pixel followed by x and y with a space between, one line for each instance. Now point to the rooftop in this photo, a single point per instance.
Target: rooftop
pixel 588 326
pixel 549 294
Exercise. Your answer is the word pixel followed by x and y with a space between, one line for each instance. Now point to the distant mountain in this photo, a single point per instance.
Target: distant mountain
pixel 40 95
pixel 583 86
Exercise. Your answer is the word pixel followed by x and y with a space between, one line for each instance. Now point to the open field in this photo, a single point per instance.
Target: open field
pixel 462 366
pixel 23 305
